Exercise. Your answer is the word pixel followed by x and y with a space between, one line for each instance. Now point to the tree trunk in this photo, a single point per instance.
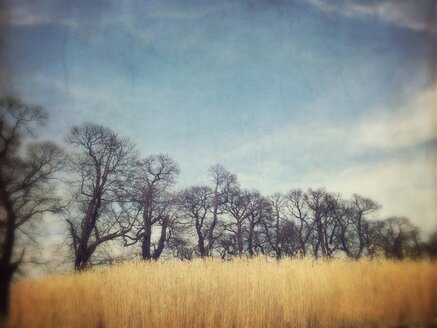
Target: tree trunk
pixel 83 253
pixel 77 263
pixel 250 240
pixel 162 238
pixel 147 222
pixel 145 246
pixel 278 252
pixel 239 239
pixel 81 261
pixel 321 235
pixel 201 241
pixel 6 273
pixel 360 235
pixel 7 268
pixel 213 223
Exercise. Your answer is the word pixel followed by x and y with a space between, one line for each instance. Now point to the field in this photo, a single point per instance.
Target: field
pixel 240 293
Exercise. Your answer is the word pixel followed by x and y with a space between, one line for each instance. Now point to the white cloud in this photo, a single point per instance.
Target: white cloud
pixel 387 130
pixel 414 124
pixel 414 15
pixel 385 156
pixel 404 188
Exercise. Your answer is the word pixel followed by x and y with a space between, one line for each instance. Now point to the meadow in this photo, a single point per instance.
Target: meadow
pixel 252 293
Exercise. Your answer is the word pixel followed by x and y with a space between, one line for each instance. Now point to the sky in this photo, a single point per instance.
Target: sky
pixel 286 94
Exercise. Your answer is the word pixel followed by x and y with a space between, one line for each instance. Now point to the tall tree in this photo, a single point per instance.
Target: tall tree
pixel 273 228
pixel 223 182
pixel 195 203
pixel 27 184
pixel 297 211
pixel 334 216
pixel 238 207
pixel 314 200
pixel 154 176
pixel 359 210
pixel 101 171
pixel 259 211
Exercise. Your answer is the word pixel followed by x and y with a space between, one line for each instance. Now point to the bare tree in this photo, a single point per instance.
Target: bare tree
pixel 101 171
pixel 396 236
pixel 259 211
pixel 273 228
pixel 314 199
pixel 195 203
pixel 156 205
pixel 334 216
pixel 297 211
pixel 361 208
pixel 247 211
pixel 223 182
pixel 238 208
pixel 27 183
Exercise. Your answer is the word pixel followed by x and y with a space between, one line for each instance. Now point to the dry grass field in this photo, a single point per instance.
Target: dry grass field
pixel 240 293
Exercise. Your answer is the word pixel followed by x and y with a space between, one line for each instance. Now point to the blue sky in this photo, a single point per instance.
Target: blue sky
pixel 286 94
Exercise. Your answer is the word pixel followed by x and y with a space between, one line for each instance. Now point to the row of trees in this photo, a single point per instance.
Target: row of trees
pixel 116 194
pixel 109 193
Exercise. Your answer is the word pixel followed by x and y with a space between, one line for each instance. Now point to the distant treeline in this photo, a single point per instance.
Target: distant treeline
pixel 111 193
pixel 116 194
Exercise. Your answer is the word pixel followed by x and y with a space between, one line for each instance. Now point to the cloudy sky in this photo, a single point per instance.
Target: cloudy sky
pixel 287 94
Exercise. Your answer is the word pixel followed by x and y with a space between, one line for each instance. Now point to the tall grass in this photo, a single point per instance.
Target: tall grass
pixel 239 293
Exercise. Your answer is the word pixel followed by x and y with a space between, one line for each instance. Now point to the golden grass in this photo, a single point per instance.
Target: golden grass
pixel 239 293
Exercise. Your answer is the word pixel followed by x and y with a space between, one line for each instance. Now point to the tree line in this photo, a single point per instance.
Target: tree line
pixel 110 193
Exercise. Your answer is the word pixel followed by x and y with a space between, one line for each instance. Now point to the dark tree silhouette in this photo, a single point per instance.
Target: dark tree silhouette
pixel 360 209
pixel 396 237
pixel 430 246
pixel 314 200
pixel 238 207
pixel 27 183
pixel 316 222
pixel 155 203
pixel 223 182
pixel 101 170
pixel 273 227
pixel 297 211
pixel 259 211
pixel 195 203
pixel 333 216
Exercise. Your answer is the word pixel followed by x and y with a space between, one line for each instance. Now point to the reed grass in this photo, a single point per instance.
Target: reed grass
pixel 239 293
